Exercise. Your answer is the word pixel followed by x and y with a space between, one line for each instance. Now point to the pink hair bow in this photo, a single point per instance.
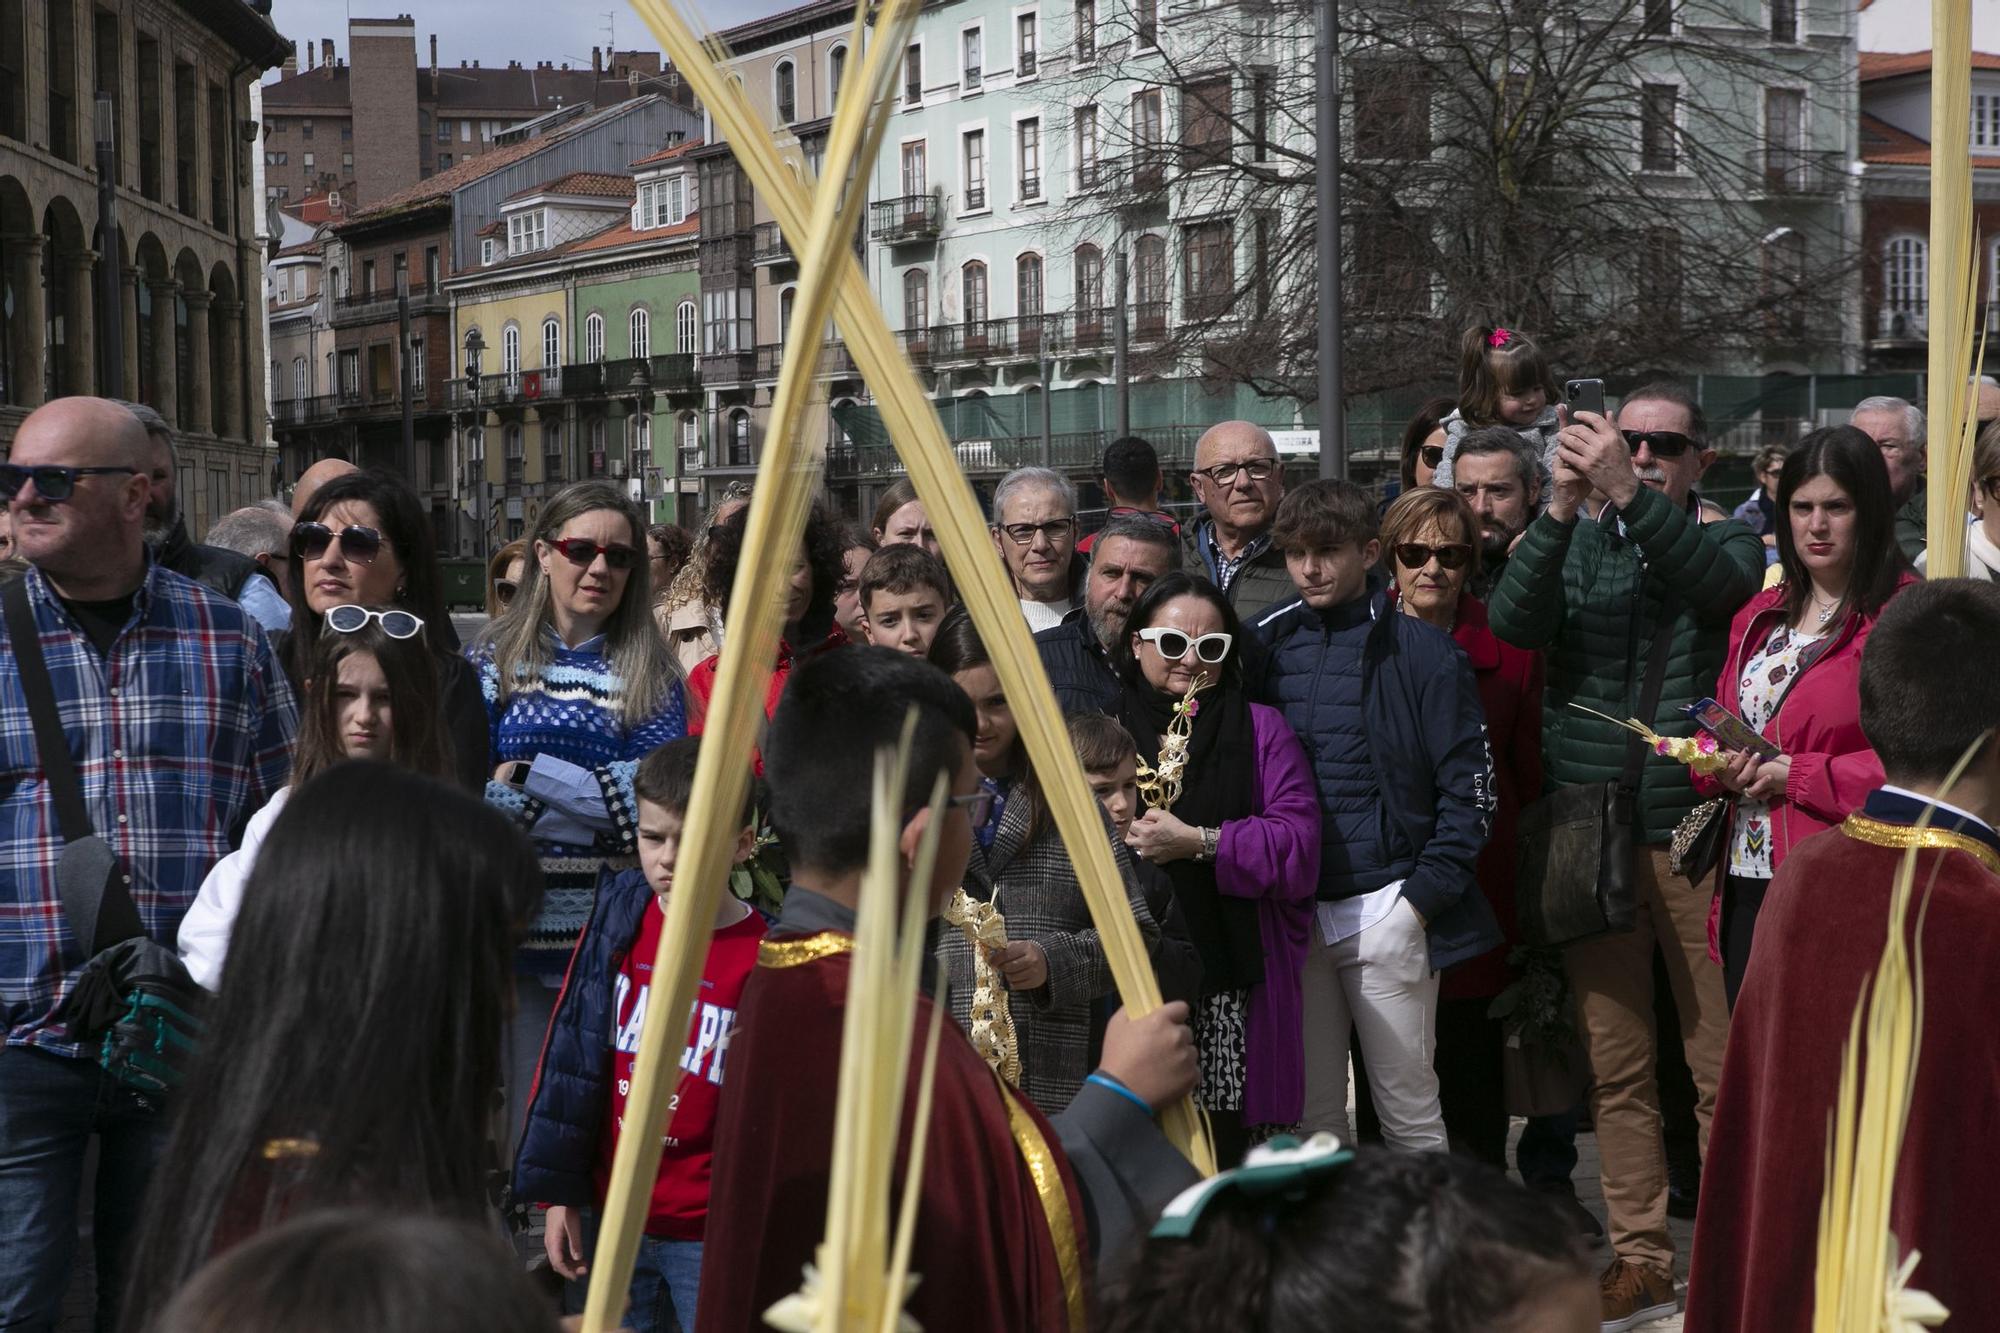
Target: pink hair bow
pixel 1498 338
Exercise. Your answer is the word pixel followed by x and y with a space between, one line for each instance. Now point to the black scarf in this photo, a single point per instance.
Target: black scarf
pixel 1219 784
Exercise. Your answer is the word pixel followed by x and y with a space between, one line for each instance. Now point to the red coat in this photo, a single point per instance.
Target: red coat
pixel 1510 690
pixel 701 682
pixel 1817 725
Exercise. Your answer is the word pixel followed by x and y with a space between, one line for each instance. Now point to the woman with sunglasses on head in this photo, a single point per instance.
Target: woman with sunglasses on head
pixel 364 539
pixel 504 573
pixel 1793 674
pixel 370 693
pixel 1432 542
pixel 1053 965
pixel 579 688
pixel 1241 845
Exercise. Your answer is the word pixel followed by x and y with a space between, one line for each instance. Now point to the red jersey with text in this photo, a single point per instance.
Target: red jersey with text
pixel 680 1194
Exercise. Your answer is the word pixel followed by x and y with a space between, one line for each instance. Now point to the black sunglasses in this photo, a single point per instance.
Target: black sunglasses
pixel 1663 443
pixel 359 544
pixel 54 484
pixel 1433 455
pixel 1415 555
pixel 582 551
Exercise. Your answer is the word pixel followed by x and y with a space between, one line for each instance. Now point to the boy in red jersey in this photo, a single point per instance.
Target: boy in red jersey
pixel 577 1108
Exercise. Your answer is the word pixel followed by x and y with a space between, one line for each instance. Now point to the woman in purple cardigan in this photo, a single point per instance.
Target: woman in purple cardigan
pixel 1241 845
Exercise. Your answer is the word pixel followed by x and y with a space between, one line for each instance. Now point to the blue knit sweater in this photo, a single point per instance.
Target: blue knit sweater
pixel 573 713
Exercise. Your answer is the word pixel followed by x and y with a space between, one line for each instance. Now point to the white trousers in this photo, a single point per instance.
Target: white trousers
pixel 1378 983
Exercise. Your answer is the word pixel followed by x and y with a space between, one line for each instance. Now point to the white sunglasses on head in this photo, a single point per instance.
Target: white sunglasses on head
pixel 1173 644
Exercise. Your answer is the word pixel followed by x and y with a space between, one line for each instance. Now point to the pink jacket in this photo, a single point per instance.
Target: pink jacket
pixel 1817 725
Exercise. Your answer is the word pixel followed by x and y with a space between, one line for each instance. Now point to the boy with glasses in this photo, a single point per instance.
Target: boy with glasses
pixel 1389 713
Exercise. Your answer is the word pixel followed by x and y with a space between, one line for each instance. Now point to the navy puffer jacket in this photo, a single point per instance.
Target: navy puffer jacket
pixel 1388 709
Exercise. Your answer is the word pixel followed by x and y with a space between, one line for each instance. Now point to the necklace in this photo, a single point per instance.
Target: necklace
pixel 1826 608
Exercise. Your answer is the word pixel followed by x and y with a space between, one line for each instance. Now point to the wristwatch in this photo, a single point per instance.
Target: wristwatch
pixel 1211 838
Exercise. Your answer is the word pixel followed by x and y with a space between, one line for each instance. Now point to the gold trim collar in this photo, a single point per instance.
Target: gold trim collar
pixel 803 949
pixel 1878 833
pixel 1047 1176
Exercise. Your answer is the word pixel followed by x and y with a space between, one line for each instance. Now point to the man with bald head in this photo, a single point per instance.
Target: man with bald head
pixel 1238 479
pixel 179 727
pixel 316 476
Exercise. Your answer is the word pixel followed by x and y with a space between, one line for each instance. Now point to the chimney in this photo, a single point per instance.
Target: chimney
pixel 596 61
pixel 475 64
pixel 291 65
pixel 309 54
pixel 325 51
pixel 434 57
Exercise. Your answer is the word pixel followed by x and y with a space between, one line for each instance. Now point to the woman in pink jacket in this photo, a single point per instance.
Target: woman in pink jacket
pixel 1793 673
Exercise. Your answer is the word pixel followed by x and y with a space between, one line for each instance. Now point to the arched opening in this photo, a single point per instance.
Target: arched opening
pixel 153 326
pixel 225 353
pixel 69 349
pixel 18 350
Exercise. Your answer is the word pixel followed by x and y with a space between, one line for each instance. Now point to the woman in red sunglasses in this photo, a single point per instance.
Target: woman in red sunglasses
pixel 579 689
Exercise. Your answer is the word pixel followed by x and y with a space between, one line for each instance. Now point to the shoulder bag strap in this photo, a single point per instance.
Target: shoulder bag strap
pixel 1649 695
pixel 100 913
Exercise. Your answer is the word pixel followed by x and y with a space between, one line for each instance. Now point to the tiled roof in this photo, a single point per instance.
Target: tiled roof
pixel 1883 145
pixel 324 88
pixel 444 182
pixel 623 234
pixel 590 184
pixel 1889 65
pixel 459 90
pixel 668 154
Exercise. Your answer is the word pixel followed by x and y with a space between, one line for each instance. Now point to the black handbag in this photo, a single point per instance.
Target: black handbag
pixel 134 997
pixel 1573 875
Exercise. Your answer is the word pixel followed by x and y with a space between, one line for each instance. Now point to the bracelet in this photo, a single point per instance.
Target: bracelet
pixel 1211 842
pixel 1103 1080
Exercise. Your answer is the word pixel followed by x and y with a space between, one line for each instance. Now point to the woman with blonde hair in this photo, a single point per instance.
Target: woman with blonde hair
pixel 579 688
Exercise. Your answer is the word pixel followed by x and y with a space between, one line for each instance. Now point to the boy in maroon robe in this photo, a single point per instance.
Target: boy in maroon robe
pixel 1014 1208
pixel 1928 691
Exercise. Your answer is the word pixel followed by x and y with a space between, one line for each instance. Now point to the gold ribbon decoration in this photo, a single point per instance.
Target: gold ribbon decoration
pixel 1160 788
pixel 1047 1175
pixel 803 949
pixel 1877 833
pixel 992 1021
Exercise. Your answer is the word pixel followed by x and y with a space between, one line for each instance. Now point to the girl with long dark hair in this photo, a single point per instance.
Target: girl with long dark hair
pixel 353 1052
pixel 370 693
pixel 579 688
pixel 1241 845
pixel 364 539
pixel 1054 964
pixel 1793 674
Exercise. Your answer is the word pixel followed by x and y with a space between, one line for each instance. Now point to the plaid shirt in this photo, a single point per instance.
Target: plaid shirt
pixel 183 731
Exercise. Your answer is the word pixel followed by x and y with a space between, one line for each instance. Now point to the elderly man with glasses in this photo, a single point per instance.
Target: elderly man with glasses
pixel 1034 525
pixel 1897 427
pixel 1239 480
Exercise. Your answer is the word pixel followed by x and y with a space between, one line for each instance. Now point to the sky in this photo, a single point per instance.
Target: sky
pixel 494 32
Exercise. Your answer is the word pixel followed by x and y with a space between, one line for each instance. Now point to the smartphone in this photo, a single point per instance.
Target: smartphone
pixel 1730 731
pixel 1584 396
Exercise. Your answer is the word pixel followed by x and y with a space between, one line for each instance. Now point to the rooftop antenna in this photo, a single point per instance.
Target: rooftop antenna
pixel 610 34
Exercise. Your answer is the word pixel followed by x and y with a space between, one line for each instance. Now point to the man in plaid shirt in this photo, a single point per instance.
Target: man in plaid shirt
pixel 181 724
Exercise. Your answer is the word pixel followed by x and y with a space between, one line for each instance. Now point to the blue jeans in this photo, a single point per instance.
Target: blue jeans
pixel 665 1279
pixel 50 1107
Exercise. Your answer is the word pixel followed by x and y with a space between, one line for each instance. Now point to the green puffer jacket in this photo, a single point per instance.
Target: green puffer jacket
pixel 1593 599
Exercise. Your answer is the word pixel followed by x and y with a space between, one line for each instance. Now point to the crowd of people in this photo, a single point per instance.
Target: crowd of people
pixel 328 938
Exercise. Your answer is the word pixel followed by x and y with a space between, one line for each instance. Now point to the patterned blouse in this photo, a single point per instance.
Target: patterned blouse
pixel 1766 676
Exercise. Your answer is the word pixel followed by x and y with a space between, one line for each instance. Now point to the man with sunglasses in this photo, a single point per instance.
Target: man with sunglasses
pixel 180 724
pixel 1600 595
pixel 1239 480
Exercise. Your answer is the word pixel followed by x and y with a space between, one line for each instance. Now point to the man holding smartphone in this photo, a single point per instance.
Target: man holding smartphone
pixel 1599 594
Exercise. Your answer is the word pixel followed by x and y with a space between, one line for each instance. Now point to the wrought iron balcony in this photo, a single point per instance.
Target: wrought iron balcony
pixel 718 368
pixel 913 217
pixel 769 245
pixel 1793 173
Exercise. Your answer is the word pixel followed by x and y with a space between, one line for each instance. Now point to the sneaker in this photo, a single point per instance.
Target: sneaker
pixel 1633 1294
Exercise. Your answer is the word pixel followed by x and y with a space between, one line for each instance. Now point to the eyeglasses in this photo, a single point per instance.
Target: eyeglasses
pixel 504 590
pixel 1433 456
pixel 1022 534
pixel 1415 555
pixel 1224 474
pixel 978 806
pixel 397 624
pixel 1173 644
pixel 54 484
pixel 1663 443
pixel 359 544
pixel 583 551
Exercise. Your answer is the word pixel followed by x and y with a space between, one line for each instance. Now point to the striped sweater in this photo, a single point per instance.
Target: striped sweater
pixel 572 714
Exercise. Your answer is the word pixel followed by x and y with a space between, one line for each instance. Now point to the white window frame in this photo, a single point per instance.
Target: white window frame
pixel 1079 140
pixel 298 378
pixel 687 328
pixel 923 284
pixel 965 174
pixel 1914 265
pixel 528 231
pixel 1041 156
pixel 639 332
pixel 1041 282
pixel 777 97
pixel 551 342
pixel 416 365
pixel 1988 102
pixel 593 337
pixel 836 70
pixel 923 145
pixel 510 352
pixel 915 44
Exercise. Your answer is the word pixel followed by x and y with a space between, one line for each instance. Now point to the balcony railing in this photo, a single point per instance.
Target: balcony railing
pixel 356 307
pixel 769 245
pixel 975 197
pixel 1023 337
pixel 1796 173
pixel 770 360
pixel 836 362
pixel 1093 329
pixel 305 411
pixel 972 77
pixel 718 368
pixel 917 346
pixel 1093 174
pixel 1149 321
pixel 913 217
pixel 1024 65
pixel 1031 186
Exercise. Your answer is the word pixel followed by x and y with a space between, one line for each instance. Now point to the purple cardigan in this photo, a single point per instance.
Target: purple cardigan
pixel 1273 856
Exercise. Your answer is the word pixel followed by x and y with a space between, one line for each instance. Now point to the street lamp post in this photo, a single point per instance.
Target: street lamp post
pixel 476 433
pixel 111 307
pixel 1332 438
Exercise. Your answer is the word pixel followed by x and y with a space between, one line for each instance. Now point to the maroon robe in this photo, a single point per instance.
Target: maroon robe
pixel 985 1247
pixel 1819 939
